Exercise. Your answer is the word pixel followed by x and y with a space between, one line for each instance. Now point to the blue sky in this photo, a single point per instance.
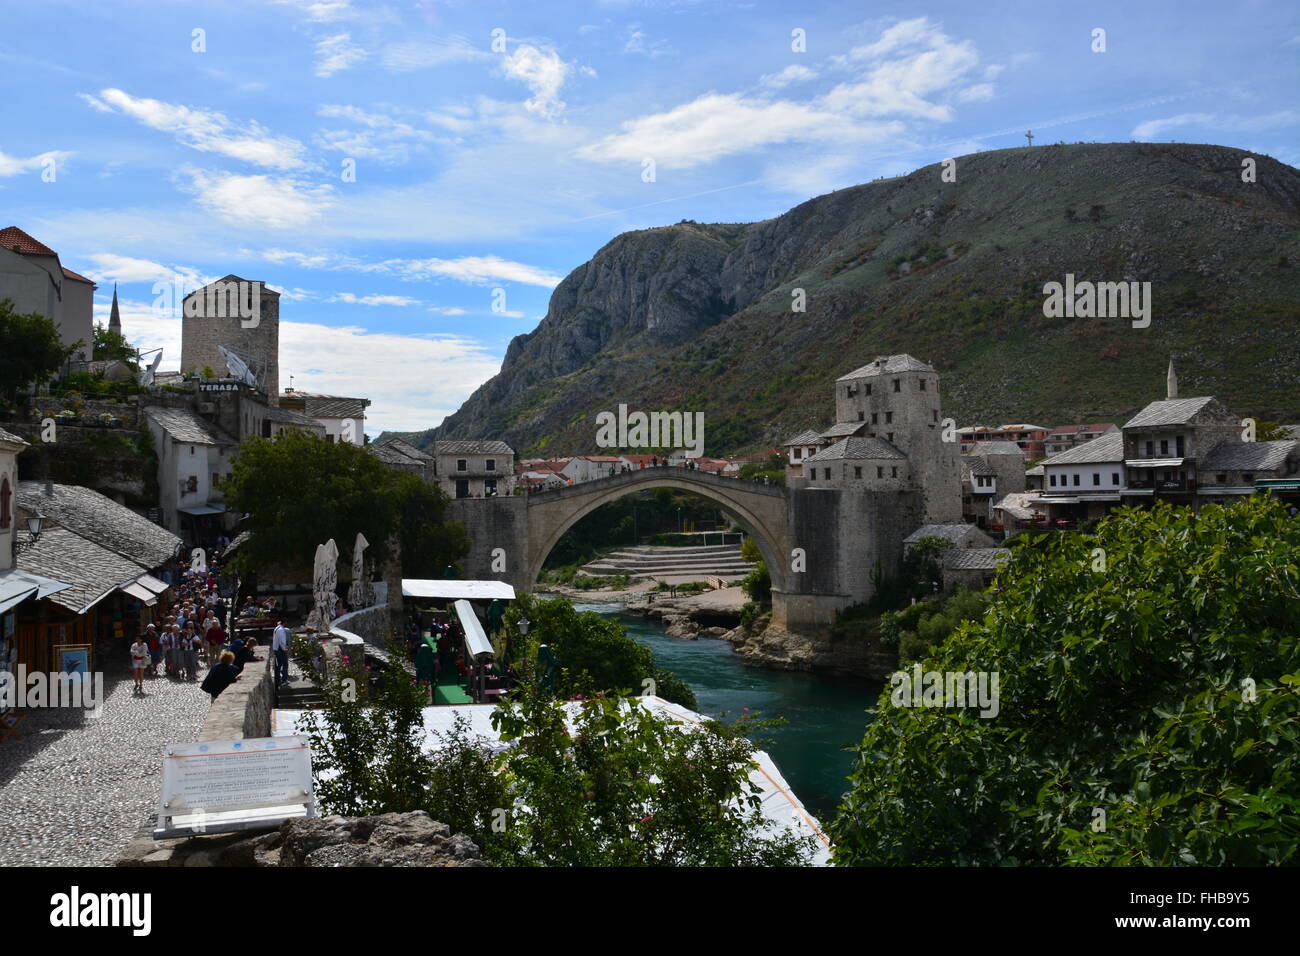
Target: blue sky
pixel 497 146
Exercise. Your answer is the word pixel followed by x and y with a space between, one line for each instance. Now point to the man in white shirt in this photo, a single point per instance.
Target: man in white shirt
pixel 280 648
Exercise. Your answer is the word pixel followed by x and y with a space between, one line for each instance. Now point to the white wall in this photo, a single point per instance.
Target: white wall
pixel 1085 473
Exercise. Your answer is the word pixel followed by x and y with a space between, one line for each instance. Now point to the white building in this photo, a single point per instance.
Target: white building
pixel 193 460
pixel 591 467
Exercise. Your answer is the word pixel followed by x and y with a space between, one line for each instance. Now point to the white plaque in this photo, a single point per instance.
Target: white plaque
pixel 222 785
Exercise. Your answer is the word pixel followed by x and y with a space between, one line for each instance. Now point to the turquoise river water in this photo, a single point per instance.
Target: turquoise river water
pixel 823 715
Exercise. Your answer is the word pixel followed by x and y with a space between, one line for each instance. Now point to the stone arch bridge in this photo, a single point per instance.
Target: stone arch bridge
pixel 817 542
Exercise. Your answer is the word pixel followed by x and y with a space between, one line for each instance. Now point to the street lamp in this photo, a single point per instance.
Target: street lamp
pixel 35 525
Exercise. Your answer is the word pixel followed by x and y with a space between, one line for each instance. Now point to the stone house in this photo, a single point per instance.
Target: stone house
pixel 344 419
pixel 591 467
pixel 799 448
pixel 194 457
pixel 240 315
pixel 1084 482
pixel 989 470
pixel 32 276
pixel 474 469
pixel 972 568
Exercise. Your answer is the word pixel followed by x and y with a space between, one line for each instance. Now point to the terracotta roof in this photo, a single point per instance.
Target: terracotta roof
pixel 76 277
pixel 13 236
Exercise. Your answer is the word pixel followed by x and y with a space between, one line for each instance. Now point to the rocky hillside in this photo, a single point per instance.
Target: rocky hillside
pixel 699 317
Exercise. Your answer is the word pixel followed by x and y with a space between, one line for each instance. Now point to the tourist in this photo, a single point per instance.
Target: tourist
pixel 445 657
pixel 246 654
pixel 216 637
pixel 190 644
pixel 167 642
pixel 280 648
pixel 139 657
pixel 222 675
pixel 155 649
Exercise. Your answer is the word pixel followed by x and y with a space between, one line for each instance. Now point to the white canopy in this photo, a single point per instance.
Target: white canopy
pixel 454 590
pixel 476 641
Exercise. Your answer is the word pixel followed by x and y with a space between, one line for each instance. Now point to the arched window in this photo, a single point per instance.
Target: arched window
pixel 6 495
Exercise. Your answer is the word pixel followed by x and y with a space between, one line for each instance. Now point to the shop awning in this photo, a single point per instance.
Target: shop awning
pixel 1277 484
pixel 476 641
pixel 17 586
pixel 139 592
pixel 152 583
pixel 199 511
pixel 455 590
pixel 1155 462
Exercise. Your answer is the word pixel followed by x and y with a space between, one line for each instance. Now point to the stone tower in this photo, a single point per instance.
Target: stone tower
pixel 896 397
pixel 242 315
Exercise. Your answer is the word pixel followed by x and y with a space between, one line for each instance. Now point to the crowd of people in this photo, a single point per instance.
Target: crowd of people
pixel 194 631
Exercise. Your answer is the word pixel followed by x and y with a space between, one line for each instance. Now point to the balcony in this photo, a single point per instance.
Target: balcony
pixel 1149 483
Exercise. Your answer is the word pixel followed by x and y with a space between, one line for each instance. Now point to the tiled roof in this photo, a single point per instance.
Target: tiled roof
pixel 978 467
pixel 857 448
pixel 389 455
pixel 76 277
pixel 472 447
pixel 330 406
pixel 11 437
pixel 92 571
pixel 409 450
pixel 1249 456
pixel 13 236
pixel 291 416
pixel 949 532
pixel 1107 448
pixel 185 426
pixel 888 364
pixel 1036 471
pixel 1170 411
pixel 841 429
pixel 1079 429
pixel 1017 504
pixel 808 436
pixel 974 559
pixel 995 448
pixel 100 519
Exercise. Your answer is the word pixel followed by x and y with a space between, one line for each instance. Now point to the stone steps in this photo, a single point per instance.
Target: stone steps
pixel 718 560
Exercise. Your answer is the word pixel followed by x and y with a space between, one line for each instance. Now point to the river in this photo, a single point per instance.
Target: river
pixel 823 715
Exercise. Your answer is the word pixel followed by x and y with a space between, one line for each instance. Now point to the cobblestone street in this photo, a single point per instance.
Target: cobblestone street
pixel 75 789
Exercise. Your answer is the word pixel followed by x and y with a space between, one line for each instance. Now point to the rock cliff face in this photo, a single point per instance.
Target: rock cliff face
pixel 700 317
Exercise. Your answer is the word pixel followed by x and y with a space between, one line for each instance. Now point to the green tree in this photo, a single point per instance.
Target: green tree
pixel 301 490
pixel 1149 671
pixel 33 350
pixel 111 345
pixel 596 655
pixel 757 584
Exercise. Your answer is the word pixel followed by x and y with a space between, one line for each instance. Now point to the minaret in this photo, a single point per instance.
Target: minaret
pixel 1171 381
pixel 114 316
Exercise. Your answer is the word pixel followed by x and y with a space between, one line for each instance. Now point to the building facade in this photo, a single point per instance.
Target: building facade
pixel 32 276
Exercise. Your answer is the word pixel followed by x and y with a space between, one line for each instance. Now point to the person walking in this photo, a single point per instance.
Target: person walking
pixel 139 658
pixel 190 644
pixel 280 648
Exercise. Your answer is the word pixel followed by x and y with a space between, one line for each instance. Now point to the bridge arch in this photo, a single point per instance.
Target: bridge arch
pixel 759 509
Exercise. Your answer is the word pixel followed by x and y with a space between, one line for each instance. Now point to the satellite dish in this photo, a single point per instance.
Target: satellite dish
pixel 147 376
pixel 237 366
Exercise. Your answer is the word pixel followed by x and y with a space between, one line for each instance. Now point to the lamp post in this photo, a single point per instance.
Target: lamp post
pixel 35 525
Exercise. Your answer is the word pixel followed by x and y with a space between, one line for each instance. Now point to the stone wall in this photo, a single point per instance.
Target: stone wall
pixel 244 708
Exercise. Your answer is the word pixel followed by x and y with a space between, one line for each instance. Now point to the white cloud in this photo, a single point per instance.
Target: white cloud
pixel 906 74
pixel 473 269
pixel 543 72
pixel 205 130
pixel 351 299
pixel 337 53
pixel 322 11
pixel 382 137
pixel 110 267
pixel 1153 128
pixel 410 55
pixel 259 200
pixel 794 73
pixel 12 165
pixel 448 310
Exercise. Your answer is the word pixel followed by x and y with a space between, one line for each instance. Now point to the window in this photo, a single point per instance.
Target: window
pixel 795 456
pixel 850 391
pixel 1114 477
pixel 330 439
pixel 191 449
pixel 880 471
pixel 1096 478
pixel 868 389
pixel 1179 444
pixel 827 474
pixel 875 418
pixel 862 416
pixel 1248 477
pixel 891 435
pixel 490 486
pixel 935 413
pixel 1151 449
pixel 1221 478
pixel 1076 481
pixel 192 484
pixel 491 464
pixel 893 472
pixel 461 465
pixel 898 385
pixel 889 418
pixel 216 479
pixel 6 495
pixel 1164 447
pixel 923 385
pixel 857 471
pixel 1052 480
